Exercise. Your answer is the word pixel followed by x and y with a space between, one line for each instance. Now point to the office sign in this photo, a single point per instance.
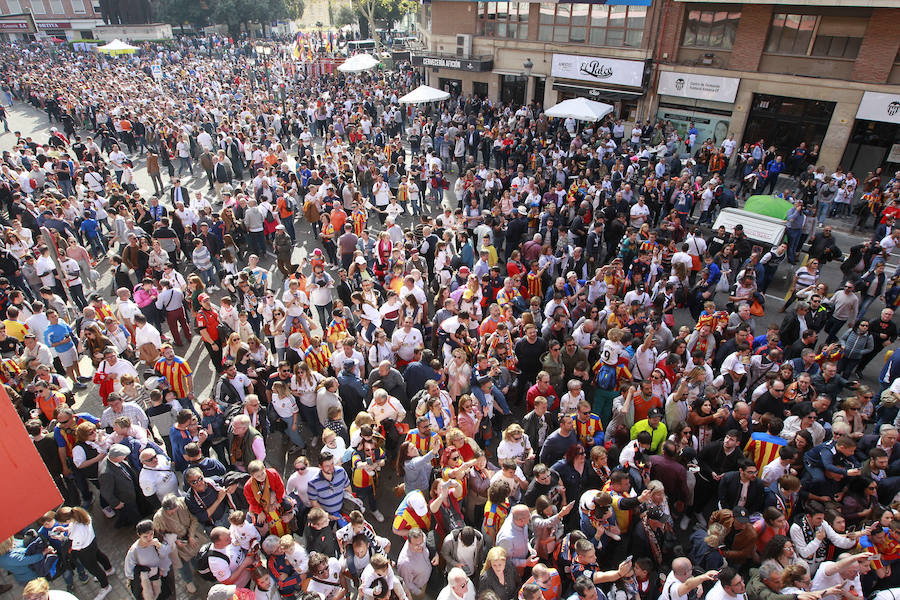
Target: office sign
pixel 451 62
pixel 700 87
pixel 598 69
pixel 876 106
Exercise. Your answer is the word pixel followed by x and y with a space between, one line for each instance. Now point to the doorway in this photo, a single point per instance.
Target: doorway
pixel 785 122
pixel 452 86
pixel 512 89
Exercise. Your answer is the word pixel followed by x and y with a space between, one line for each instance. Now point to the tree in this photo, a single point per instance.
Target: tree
pixel 181 12
pixel 236 14
pixel 388 11
pixel 345 16
pixel 294 8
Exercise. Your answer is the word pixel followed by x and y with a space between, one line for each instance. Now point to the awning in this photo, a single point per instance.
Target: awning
pixel 598 92
pixel 508 72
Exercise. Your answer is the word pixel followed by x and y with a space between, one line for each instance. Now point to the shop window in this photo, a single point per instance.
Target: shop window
pixel 596 24
pixel 503 19
pixel 815 35
pixel 715 29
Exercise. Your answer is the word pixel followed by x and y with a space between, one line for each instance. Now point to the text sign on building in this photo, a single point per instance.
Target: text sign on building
pixel 598 70
pixel 13 26
pixel 876 106
pixel 448 62
pixel 700 87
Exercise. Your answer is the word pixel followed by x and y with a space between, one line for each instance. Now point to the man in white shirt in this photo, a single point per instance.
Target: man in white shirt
pixel 405 340
pixel 156 475
pixel 679 583
pixel 113 367
pixel 842 575
pixel 347 352
pixel 731 586
pixel 229 564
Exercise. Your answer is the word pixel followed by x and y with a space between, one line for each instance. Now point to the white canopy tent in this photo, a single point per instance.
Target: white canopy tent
pixel 580 109
pixel 358 63
pixel 117 46
pixel 423 94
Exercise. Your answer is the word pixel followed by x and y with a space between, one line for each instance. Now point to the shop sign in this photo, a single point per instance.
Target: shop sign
pixel 876 106
pixel 448 62
pixel 44 25
pixel 13 26
pixel 598 70
pixel 700 87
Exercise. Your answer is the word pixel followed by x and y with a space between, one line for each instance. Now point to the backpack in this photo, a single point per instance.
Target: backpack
pixel 606 377
pixel 206 552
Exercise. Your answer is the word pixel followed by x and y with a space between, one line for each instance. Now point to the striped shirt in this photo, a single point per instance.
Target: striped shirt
pixel 176 373
pixel 588 430
pixel 329 494
pixel 805 278
pixel 319 358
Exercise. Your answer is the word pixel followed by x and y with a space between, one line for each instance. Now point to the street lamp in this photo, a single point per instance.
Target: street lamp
pixel 265 51
pixel 528 66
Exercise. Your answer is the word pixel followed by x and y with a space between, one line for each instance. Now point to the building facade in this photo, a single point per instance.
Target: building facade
pixel 824 72
pixel 62 19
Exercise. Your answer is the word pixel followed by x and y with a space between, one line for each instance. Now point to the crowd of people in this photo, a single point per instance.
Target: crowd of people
pixel 505 361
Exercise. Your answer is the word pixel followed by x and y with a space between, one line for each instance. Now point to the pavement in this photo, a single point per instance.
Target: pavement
pixel 115 543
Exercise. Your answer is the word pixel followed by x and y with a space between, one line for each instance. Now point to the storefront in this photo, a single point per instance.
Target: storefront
pixel 785 122
pixel 456 75
pixel 875 137
pixel 704 100
pixel 613 81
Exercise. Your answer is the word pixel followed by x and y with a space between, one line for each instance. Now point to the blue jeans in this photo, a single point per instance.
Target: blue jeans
pixel 864 305
pixel 289 227
pixel 293 429
pixel 793 236
pixel 208 276
pixel 311 416
pixel 96 243
pixel 822 212
pixel 185 163
pixel 416 208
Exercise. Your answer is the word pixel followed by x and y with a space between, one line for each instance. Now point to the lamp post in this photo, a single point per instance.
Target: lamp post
pixel 265 51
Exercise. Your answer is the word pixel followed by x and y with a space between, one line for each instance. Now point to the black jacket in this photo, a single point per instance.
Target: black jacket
pixel 730 493
pixel 531 422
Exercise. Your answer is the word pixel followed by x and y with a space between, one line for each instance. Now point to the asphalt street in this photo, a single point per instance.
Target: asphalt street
pixel 32 122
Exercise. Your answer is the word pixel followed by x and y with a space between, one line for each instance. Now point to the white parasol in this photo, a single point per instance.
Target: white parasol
pixel 423 94
pixel 580 109
pixel 117 46
pixel 358 63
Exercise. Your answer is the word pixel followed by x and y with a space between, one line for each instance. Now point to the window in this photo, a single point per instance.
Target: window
pixel 14 6
pixel 714 29
pixel 38 8
pixel 79 6
pixel 56 7
pixel 503 19
pixel 813 35
pixel 595 24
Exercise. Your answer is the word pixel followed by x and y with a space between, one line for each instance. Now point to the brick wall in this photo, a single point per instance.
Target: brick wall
pixel 879 47
pixel 751 37
pixel 450 18
pixel 672 16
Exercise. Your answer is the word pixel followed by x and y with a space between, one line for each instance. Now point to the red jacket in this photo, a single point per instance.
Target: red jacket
pixel 276 484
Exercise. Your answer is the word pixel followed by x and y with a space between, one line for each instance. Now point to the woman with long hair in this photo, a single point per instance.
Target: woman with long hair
pixel 77 523
pixel 413 467
pixel 304 384
pixel 94 343
pixel 499 575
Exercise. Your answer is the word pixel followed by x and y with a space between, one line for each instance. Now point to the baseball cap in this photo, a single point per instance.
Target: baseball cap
pixel 655 412
pixel 203 297
pixel 417 503
pixel 119 451
pixel 740 514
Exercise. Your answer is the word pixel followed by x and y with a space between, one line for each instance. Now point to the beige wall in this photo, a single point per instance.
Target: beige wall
pixel 845 95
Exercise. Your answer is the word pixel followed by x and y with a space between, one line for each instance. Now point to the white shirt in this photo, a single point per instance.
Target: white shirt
pixel 159 480
pixel 719 593
pixel 298 483
pixel 81 535
pixel 823 581
pixel 285 406
pixel 670 588
pixel 222 569
pixel 406 342
pixel 122 367
pixel 147 334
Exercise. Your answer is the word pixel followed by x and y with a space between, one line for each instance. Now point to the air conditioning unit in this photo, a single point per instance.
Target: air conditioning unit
pixel 463 45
